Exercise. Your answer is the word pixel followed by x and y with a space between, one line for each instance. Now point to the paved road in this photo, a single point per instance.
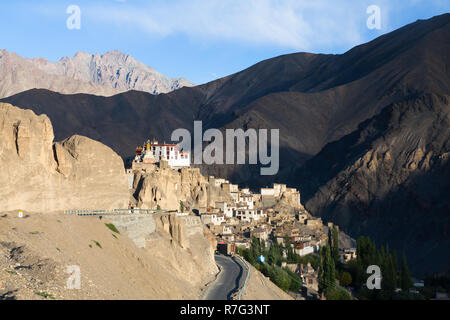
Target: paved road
pixel 227 281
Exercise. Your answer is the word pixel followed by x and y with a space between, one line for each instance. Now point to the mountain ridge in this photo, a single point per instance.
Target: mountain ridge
pixel 316 101
pixel 108 74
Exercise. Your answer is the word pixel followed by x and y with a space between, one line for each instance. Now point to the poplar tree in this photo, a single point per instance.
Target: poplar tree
pixel 406 281
pixel 327 271
pixel 330 271
pixel 335 245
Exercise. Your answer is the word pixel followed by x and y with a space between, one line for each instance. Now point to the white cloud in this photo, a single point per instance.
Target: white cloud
pixel 296 24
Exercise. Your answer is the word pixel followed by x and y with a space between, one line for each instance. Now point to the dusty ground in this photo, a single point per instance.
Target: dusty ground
pixel 36 250
pixel 261 288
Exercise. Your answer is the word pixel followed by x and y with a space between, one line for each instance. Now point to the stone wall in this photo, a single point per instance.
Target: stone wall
pixel 137 227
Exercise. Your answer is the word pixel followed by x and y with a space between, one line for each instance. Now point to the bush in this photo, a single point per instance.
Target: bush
pixel 296 281
pixel 346 279
pixel 97 244
pixel 112 227
pixel 337 293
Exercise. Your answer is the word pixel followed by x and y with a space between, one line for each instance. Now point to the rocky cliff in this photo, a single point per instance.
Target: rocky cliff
pixel 39 175
pixel 165 187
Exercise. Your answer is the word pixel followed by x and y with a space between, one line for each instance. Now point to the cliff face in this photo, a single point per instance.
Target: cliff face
pixel 195 261
pixel 390 180
pixel 39 175
pixel 165 188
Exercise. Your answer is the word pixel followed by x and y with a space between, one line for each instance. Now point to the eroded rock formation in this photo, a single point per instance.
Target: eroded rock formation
pixel 165 187
pixel 39 175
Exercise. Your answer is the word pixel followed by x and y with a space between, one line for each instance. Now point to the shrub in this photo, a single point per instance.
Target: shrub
pixel 97 244
pixel 112 227
pixel 346 279
pixel 45 295
pixel 337 293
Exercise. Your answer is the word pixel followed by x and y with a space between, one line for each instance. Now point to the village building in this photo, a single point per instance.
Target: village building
pixel 212 218
pixel 153 152
pixel 304 248
pixel 245 200
pixel 309 277
pixel 260 233
pixel 347 254
pixel 225 208
pixel 250 215
pixel 242 243
pixel 314 223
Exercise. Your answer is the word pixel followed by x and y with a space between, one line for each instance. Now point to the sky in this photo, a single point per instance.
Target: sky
pixel 202 40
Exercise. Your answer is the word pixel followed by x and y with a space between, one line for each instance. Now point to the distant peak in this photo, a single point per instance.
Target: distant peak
pixel 81 54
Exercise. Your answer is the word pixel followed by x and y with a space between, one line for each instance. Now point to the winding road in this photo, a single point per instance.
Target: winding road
pixel 229 279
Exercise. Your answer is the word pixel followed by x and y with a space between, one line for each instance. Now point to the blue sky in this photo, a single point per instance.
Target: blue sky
pixel 201 40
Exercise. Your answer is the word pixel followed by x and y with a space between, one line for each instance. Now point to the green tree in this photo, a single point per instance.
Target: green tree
pixel 366 251
pixel 338 293
pixel 291 255
pixel 256 247
pixel 321 276
pixel 395 262
pixel 388 272
pixel 327 276
pixel 335 251
pixel 405 277
pixel 263 247
pixel 346 279
pixel 181 206
pixel 330 238
pixel 296 281
pixel 330 276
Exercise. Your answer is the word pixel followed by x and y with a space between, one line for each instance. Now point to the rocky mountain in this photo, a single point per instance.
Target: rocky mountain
pixel 105 75
pixel 41 176
pixel 312 99
pixel 390 179
pixel 318 102
pixel 18 74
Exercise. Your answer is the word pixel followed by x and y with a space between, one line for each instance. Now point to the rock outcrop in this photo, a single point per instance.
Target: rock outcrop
pixel 165 187
pixel 39 175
